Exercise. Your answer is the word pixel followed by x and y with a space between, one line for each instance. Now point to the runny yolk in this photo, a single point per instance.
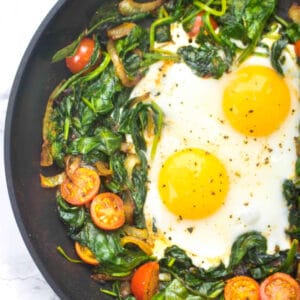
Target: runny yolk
pixel 256 101
pixel 193 183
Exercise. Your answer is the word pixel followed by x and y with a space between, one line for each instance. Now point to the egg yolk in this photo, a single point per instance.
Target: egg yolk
pixel 193 183
pixel 256 101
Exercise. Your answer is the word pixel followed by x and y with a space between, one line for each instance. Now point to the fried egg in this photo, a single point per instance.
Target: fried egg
pixel 226 147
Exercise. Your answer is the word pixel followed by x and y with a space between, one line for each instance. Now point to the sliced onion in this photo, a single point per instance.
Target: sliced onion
pixel 139 99
pixel 120 31
pixel 294 13
pixel 127 148
pixel 52 181
pixel 72 164
pixel 46 155
pixel 144 246
pixel 129 207
pixel 130 162
pixel 119 67
pixel 130 7
pixel 102 168
pixel 136 232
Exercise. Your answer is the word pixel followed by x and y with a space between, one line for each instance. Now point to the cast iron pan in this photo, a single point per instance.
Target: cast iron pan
pixel 34 207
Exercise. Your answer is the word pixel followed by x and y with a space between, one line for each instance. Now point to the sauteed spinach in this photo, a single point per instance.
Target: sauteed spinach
pixel 91 118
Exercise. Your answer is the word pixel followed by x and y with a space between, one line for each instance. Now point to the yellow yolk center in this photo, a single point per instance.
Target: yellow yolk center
pixel 193 183
pixel 256 101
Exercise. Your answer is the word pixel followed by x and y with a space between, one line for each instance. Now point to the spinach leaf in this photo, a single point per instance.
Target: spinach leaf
pixel 115 260
pixel 250 241
pixel 255 17
pixel 104 245
pixel 248 257
pixel 138 189
pixel 137 37
pixel 177 291
pixel 119 180
pixel 72 216
pixel 293 32
pixel 100 93
pixel 245 21
pixel 291 191
pixel 276 54
pixel 163 33
pixel 205 60
pixel 104 140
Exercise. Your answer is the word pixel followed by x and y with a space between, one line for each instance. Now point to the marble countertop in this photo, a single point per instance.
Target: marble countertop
pixel 19 276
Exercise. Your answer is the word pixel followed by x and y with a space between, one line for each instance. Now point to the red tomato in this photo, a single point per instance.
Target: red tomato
pixel 199 23
pixel 241 288
pixel 86 254
pixel 107 211
pixel 81 187
pixel 297 48
pixel 82 56
pixel 279 286
pixel 144 282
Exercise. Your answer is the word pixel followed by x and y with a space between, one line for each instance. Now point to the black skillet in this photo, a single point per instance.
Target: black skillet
pixel 33 206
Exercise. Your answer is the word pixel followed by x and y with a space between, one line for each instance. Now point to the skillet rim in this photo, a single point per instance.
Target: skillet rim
pixel 58 6
pixel 12 102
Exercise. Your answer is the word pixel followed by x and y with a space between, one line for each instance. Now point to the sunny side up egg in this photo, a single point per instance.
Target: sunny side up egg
pixel 226 147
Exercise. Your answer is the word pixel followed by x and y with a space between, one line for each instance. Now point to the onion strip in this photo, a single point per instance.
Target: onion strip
pixel 294 13
pixel 130 7
pixel 120 31
pixel 144 246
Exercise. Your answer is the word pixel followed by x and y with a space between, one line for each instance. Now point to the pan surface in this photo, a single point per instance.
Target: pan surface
pixel 33 206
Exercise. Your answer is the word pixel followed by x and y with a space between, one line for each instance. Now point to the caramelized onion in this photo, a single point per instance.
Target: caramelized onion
pixel 144 246
pixel 46 154
pixel 129 207
pixel 120 31
pixel 102 168
pixel 130 7
pixel 52 181
pixel 294 13
pixel 136 232
pixel 72 164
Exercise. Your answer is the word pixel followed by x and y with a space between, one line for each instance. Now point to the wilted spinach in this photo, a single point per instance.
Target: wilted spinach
pixel 248 257
pixel 92 114
pixel 115 260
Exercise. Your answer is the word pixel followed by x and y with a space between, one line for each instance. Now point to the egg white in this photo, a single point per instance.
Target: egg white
pixel 256 167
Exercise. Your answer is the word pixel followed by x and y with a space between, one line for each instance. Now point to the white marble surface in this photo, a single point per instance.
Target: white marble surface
pixel 19 277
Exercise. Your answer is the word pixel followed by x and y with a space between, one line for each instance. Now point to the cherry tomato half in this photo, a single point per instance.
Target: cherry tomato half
pixel 82 56
pixel 200 23
pixel 297 48
pixel 144 282
pixel 81 187
pixel 86 254
pixel 241 288
pixel 279 286
pixel 107 211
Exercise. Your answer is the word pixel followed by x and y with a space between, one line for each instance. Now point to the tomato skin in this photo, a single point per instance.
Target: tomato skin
pixel 279 284
pixel 81 187
pixel 241 288
pixel 85 254
pixel 82 56
pixel 107 211
pixel 297 48
pixel 200 23
pixel 144 282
